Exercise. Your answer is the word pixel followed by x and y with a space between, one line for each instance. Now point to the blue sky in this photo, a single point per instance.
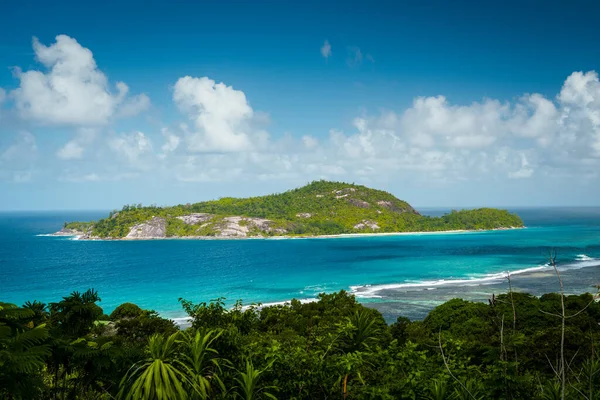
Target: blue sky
pixel 443 103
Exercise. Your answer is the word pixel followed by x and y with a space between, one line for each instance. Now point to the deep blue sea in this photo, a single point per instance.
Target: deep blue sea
pixel 399 275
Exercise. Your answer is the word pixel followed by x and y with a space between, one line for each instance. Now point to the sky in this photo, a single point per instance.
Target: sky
pixel 444 104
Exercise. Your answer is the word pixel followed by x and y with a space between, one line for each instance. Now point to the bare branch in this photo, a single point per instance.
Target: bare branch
pixel 580 311
pixel 552 366
pixel 448 367
pixel 563 379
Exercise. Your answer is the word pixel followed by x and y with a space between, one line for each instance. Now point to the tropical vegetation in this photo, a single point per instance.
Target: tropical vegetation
pixel 516 346
pixel 319 208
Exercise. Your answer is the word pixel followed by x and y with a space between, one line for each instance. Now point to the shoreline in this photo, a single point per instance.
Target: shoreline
pixel 371 295
pixel 81 236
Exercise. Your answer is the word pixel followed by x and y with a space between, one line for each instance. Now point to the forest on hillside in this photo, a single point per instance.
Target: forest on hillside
pixel 319 208
pixel 517 346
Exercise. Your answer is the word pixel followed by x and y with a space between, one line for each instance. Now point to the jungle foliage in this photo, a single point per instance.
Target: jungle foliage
pixel 334 348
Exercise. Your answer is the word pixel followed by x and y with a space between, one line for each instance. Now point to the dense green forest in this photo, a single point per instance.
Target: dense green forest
pixel 334 348
pixel 319 208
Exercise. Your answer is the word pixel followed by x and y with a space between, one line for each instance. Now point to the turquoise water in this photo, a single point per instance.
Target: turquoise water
pixel 397 274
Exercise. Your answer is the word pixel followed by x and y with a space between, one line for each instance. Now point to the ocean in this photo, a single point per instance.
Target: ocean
pixel 404 275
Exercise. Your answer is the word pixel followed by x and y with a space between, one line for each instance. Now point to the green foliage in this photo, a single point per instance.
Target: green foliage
pixel 201 361
pixel 141 327
pixel 79 226
pixel 331 348
pixel 125 310
pixel 319 208
pixel 160 375
pixel 249 384
pixel 23 351
pixel 74 316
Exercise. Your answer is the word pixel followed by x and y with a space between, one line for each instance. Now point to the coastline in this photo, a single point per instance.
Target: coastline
pixel 425 295
pixel 82 236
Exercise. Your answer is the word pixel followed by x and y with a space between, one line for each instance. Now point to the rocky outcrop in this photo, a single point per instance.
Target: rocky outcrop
pixel 245 226
pixel 304 215
pixel 196 218
pixel 359 203
pixel 367 224
pixel 233 227
pixel 344 191
pixel 392 207
pixel 154 228
pixel 68 232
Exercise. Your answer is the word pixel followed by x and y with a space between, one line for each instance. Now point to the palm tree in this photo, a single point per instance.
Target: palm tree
pixel 160 375
pixel 75 314
pixel 249 387
pixel 40 312
pixel 201 360
pixel 359 332
pixel 22 351
pixel 365 332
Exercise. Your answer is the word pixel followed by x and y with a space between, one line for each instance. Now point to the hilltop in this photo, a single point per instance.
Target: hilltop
pixel 319 208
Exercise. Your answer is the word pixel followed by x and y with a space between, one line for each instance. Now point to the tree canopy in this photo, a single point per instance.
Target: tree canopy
pixel 319 208
pixel 333 348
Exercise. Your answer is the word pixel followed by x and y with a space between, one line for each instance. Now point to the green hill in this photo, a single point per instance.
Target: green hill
pixel 319 208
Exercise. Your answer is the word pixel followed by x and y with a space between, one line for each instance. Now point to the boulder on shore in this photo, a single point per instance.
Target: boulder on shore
pixel 154 228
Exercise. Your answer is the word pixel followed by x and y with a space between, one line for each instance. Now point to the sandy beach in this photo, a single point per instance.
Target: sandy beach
pixel 338 236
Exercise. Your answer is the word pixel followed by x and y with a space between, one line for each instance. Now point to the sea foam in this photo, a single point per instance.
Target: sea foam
pixel 372 291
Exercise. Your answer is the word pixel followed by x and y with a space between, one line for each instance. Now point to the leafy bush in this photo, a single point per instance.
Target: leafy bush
pixel 125 310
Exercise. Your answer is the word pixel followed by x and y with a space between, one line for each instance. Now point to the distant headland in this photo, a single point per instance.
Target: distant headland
pixel 321 208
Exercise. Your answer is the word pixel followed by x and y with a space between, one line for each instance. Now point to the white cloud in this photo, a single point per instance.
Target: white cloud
pixel 443 141
pixel 133 149
pixel 524 171
pixel 326 50
pixel 222 116
pixel 70 151
pixel 171 141
pixel 309 142
pixel 433 141
pixel 75 148
pixel 432 121
pixel 17 161
pixel 73 91
pixel 134 105
pixel 2 95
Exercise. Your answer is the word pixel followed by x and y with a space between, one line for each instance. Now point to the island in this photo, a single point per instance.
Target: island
pixel 321 208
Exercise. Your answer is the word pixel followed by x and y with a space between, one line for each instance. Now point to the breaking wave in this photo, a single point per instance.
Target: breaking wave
pixel 371 291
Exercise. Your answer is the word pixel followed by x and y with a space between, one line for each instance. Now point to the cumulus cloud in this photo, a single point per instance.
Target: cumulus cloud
pixel 309 142
pixel 17 161
pixel 484 137
pixel 73 91
pixel 171 141
pixel 75 148
pixel 132 149
pixel 433 140
pixel 70 151
pixel 432 121
pixel 222 116
pixel 134 105
pixel 326 50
